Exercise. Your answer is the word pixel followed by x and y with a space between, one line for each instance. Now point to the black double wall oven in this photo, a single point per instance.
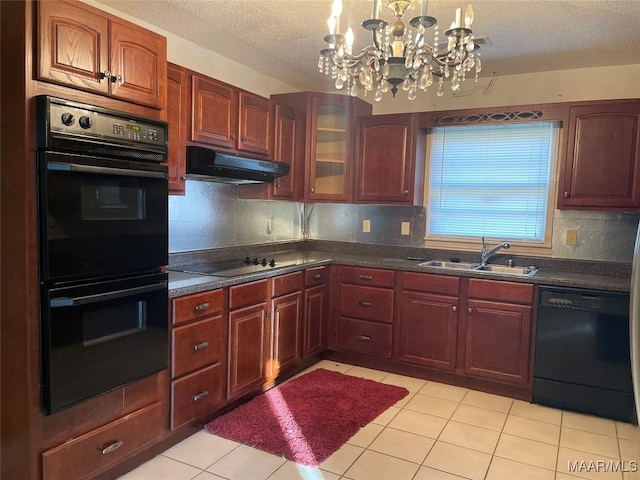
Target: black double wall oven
pixel 103 222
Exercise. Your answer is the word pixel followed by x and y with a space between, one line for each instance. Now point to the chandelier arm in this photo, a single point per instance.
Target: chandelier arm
pixel 441 57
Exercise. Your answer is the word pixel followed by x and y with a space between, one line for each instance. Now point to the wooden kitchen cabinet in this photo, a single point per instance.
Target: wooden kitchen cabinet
pixel 601 170
pixel 386 165
pixel 330 139
pixel 198 356
pixel 365 311
pixel 286 311
pixel 498 330
pixel 316 309
pixel 427 326
pixel 226 117
pixel 289 149
pixel 85 48
pixel 249 338
pixel 178 117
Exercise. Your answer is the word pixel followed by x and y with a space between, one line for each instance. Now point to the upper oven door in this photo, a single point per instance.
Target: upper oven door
pixel 101 216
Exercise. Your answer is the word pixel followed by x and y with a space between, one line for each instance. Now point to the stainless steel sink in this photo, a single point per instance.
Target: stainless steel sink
pixel 503 269
pixel 448 264
pixel 476 267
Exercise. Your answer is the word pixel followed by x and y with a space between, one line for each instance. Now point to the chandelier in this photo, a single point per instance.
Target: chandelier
pixel 400 56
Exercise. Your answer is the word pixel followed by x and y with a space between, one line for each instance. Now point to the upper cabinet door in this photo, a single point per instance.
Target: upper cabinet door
pixel 139 63
pixel 602 164
pixel 385 171
pixel 215 113
pixel 178 116
pixel 256 124
pixel 287 129
pixel 330 167
pixel 73 46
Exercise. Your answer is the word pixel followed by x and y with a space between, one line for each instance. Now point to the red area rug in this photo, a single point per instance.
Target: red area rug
pixel 307 419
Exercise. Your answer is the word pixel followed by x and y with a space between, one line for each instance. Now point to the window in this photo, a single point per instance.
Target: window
pixel 492 181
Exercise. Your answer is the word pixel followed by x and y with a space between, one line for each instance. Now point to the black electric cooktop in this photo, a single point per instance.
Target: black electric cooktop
pixel 233 268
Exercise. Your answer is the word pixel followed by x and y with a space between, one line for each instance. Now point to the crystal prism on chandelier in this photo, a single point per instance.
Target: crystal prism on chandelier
pixel 397 56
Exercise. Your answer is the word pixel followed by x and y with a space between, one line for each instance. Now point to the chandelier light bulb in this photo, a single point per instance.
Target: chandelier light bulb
pixel 399 54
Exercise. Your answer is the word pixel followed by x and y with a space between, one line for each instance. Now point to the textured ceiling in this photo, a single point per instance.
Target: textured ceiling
pixel 282 38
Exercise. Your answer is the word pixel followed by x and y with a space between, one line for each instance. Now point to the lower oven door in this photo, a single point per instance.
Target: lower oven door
pixel 97 337
pixel 101 216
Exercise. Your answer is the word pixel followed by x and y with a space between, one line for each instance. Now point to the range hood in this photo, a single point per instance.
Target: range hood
pixel 206 164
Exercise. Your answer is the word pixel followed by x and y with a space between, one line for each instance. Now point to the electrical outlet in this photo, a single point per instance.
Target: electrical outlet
pixel 571 236
pixel 366 226
pixel 405 228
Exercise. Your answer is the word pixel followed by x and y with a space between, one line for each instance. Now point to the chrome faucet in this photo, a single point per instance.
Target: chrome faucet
pixel 485 254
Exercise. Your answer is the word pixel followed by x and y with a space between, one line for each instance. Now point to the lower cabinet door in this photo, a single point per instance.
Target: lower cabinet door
pixel 428 330
pixel 197 395
pixel 287 312
pixel 314 328
pixel 83 456
pixel 361 336
pixel 498 341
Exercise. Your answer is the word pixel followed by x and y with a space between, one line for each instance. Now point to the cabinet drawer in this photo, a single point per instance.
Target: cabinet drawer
pixel 373 277
pixel 315 276
pixel 248 294
pixel 360 336
pixel 84 455
pixel 427 282
pixel 284 284
pixel 197 395
pixel 367 303
pixel 197 345
pixel 503 291
pixel 198 305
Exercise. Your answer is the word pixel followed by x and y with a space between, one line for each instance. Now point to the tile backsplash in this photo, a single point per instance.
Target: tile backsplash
pixel 211 215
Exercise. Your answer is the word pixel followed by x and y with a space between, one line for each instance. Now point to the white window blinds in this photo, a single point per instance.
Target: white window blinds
pixel 490 180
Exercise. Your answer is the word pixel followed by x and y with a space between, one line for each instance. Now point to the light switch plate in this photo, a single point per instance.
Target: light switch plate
pixel 405 228
pixel 366 226
pixel 571 236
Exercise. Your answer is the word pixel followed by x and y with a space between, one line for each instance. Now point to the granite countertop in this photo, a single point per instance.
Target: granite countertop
pixel 554 275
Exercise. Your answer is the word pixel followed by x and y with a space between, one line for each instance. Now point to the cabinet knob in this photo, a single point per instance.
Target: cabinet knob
pixel 201 307
pixel 406 192
pixel 117 78
pixel 106 74
pixel 364 303
pixel 454 308
pixel 112 448
pixel 233 136
pixel 313 189
pixel 470 310
pixel 364 338
pixel 200 395
pixel 567 194
pixel 317 276
pixel 243 138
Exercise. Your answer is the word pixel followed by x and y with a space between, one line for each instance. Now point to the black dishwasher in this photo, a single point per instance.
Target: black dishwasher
pixel 582 360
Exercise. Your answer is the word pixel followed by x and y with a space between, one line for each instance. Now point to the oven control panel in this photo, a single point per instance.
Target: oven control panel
pixel 79 121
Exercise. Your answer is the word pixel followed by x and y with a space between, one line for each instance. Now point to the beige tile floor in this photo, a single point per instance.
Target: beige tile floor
pixel 437 432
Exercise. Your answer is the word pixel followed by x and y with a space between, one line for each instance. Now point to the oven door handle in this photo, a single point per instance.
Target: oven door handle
pixel 101 297
pixel 75 167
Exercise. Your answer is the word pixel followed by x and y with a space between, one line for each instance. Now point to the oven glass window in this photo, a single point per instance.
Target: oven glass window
pixel 109 200
pixel 114 322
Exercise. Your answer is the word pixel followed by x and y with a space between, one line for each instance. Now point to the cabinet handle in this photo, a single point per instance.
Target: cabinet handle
pixel 470 310
pixel 364 338
pixel 117 78
pixel 567 194
pixel 454 308
pixel 313 189
pixel 201 307
pixel 364 303
pixel 106 74
pixel 200 395
pixel 277 184
pixel 365 277
pixel 267 313
pixel 200 346
pixel 317 276
pixel 233 136
pixel 406 192
pixel 113 447
pixel 277 310
pixel 243 138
